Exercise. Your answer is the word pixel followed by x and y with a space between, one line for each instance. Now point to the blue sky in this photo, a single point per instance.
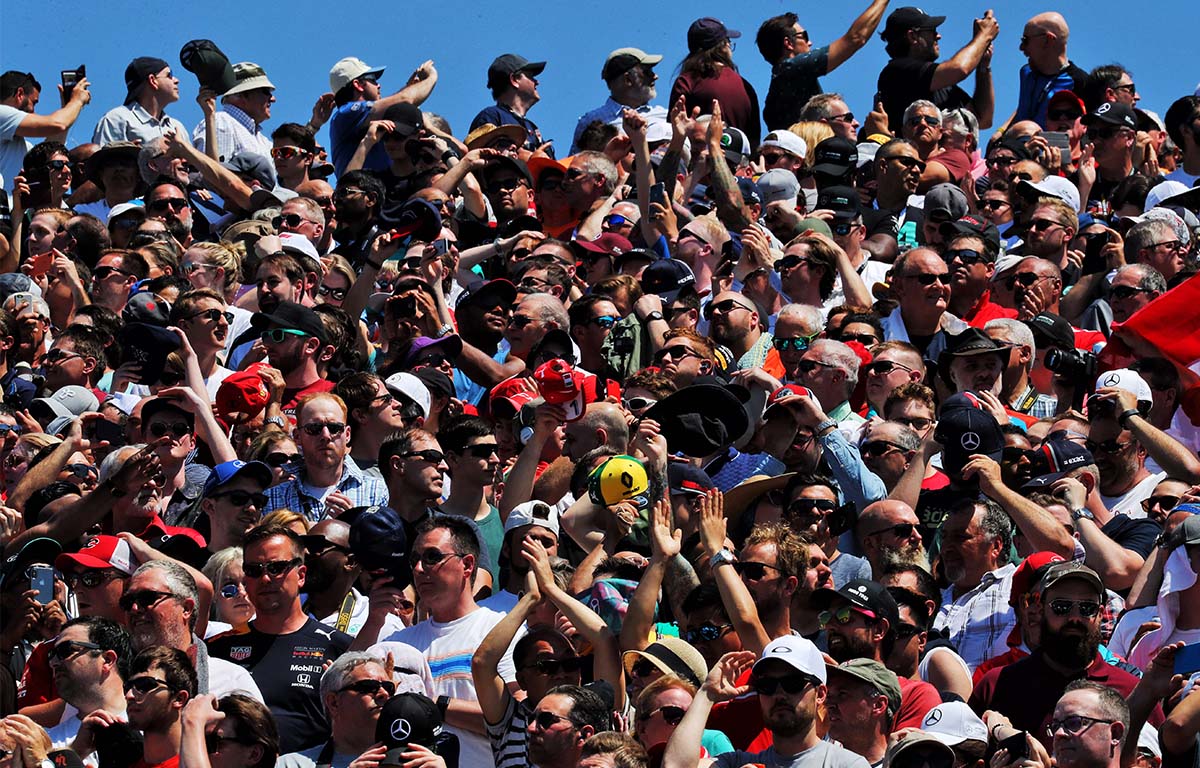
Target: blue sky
pixel 298 42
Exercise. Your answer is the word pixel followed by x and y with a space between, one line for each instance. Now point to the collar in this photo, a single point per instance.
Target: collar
pixel 145 117
pixel 242 118
pixel 841 412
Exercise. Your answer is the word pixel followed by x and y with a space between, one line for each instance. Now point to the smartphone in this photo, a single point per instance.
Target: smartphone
pixel 405 306
pixel 441 246
pixel 69 78
pixel 842 519
pixel 658 194
pixel 1187 659
pixel 1093 259
pixel 103 430
pixel 1060 141
pixel 40 265
pixel 42 580
pixel 1017 746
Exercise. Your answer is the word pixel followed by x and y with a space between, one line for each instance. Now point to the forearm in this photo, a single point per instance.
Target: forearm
pixel 475 256
pixel 360 153
pixel 1141 704
pixel 585 572
pixel 42 474
pixel 855 289
pixel 962 63
pixel 639 616
pixel 857 36
pixel 1178 733
pixel 1144 591
pixel 224 181
pixel 467 715
pixel 590 228
pixel 364 285
pixel 731 210
pixel 193 752
pixel 518 486
pixel 208 430
pixel 1077 299
pixel 645 180
pixel 1170 454
pixel 480 367
pixel 414 93
pixel 908 488
pixel 1115 564
pixel 984 99
pixel 1044 533
pixel 579 521
pixel 210 137
pixel 858 483
pixel 739 605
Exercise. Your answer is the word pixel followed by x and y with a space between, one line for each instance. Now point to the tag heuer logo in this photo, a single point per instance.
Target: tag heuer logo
pixel 239 653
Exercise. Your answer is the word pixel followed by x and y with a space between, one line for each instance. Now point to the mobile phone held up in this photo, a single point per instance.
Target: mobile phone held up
pixel 71 77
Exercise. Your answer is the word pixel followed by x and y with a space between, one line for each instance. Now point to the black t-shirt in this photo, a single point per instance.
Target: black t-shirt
pixel 287 669
pixel 793 83
pixel 905 80
pixel 1135 534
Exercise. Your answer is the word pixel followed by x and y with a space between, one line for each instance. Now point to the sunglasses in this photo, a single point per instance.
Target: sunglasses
pixel 639 403
pixel 927 279
pixel 104 272
pixel 910 163
pixel 1165 503
pixel 993 204
pixel 70 648
pixel 927 119
pixel 1108 446
pixel 546 720
pixel 274 569
pixel 519 321
pixel 145 684
pixel 552 666
pixel 1000 162
pixel 791 684
pixel 616 220
pixel 504 185
pixel 753 571
pixel 916 422
pixel 678 352
pixel 604 321
pixel 213 742
pixel 1043 225
pixel 866 339
pixel 1063 607
pixel 900 530
pixel 144 599
pixel 241 498
pixel 292 220
pixel 1123 292
pixel 432 558
pixel 315 428
pixel 230 591
pixel 707 632
pixel 671 714
pixel 843 615
pixel 91 579
pixel 161 205
pixel 481 450
pixel 905 631
pixel 1026 279
pixel 176 428
pixel 213 315
pixel 808 366
pixel 370 687
pixel 287 153
pixel 967 256
pixel 280 335
pixel 843 228
pixel 338 294
pixel 878 448
pixel 884 367
pixel 189 267
pixel 795 344
pixel 428 455
pixel 770 158
pixel 643 668
pixel 1074 725
pixel 787 264
pixel 845 117
pixel 724 307
pixel 811 507
pixel 279 459
pixel 1063 114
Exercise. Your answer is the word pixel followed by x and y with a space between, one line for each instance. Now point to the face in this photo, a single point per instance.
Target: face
pixel 257 103
pixel 924 126
pixel 542 669
pixel 559 736
pixel 882 454
pixel 290 160
pixel 110 282
pixel 995 208
pixel 166 85
pixel 924 286
pixel 894 529
pixel 207 327
pixel 592 335
pixel 1125 92
pixel 167 202
pixel 1127 296
pixel 158 706
pixel 508 193
pixel 421 473
pixel 235 507
pixel 978 373
pixel 478 461
pixel 811 518
pixel 1166 255
pixel 733 318
pixel 79 671
pixel 156 616
pixel 910 641
pixel 173 437
pixel 233 602
pixel 269 593
pixel 816 575
pixel 967 552
pixel 1166 495
pixel 581 185
pixel 655 725
pixel 448 577
pixel 682 360
pixel 888 370
pixel 1118 455
pixel 327 448
pixel 857 637
pixel 772 590
pixel 854 706
pixel 525 326
pixel 1093 741
pixel 296 217
pixel 902 171
pixel 710 621
pixel 788 714
pixel 356 707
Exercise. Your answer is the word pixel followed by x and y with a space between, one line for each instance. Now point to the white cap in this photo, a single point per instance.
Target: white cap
pixel 1005 263
pixel 866 152
pixel 121 208
pixel 411 387
pixel 779 184
pixel 1053 186
pixel 1148 739
pixel 658 130
pixel 1162 191
pixel 798 653
pixel 1130 381
pixel 349 69
pixel 293 242
pixel 533 513
pixel 787 141
pixel 954 722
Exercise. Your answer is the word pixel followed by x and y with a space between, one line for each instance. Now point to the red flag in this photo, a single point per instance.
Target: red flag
pixel 1167 327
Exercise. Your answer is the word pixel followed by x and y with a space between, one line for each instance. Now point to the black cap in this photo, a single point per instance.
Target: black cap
pixel 843 201
pixel 406 117
pixel 507 65
pixel 863 593
pixel 971 226
pixel 407 718
pixel 708 33
pixel 148 346
pixel 1113 113
pixel 557 340
pixel 32 552
pixel 965 430
pixel 486 293
pixel 210 66
pixel 969 343
pixel 835 156
pixel 1051 330
pixel 379 542
pixel 289 314
pixel 137 72
pixel 688 479
pixel 147 307
pixel 668 278
pixel 909 17
pixel 510 163
pixel 435 381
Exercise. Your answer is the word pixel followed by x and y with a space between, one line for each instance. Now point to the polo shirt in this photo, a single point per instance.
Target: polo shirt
pixel 916 699
pixel 793 83
pixel 131 122
pixel 347 126
pixel 12 146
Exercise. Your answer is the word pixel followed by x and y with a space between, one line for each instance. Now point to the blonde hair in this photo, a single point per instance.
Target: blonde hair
pixel 286 518
pixel 813 132
pixel 223 255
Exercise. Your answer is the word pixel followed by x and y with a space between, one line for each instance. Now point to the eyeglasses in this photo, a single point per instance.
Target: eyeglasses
pixel 432 558
pixel 753 571
pixel 603 321
pixel 1063 114
pixel 576 173
pixel 338 294
pixel 56 165
pixel 916 422
pixel 370 687
pixel 800 35
pixel 811 507
pixel 274 569
pixel 213 742
pixel 142 599
pixel 428 455
pixel 292 220
pixel 808 366
pixel 71 648
pixel 280 335
pixel 315 428
pixel 1074 724
pixel 519 321
pixel 162 204
pixel 212 315
pixel 843 228
pixel 240 498
pixel 724 307
pixel 1063 607
pixel 278 459
pixel 788 263
pixel 866 339
pixel 790 684
pixel 1170 245
pixel 929 278
pixel 795 343
pixel 967 256
pixel 883 368
pixel 900 530
pixel 91 579
pixel 287 153
pixel 1123 292
pixel 639 403
pixel 844 615
pixel 230 591
pixel 1108 446
pixel 1026 279
pixel 878 448
pixel 1000 162
pixel 845 117
pixel 481 450
pixel 672 715
pixel 189 267
pixel 504 185
pixel 770 158
pixel 1165 503
pixel 104 272
pixel 927 119
pixel 176 428
pixel 344 192
pixel 643 668
pixel 677 352
pixel 546 720
pixel 144 685
pixel 707 632
pixel 552 666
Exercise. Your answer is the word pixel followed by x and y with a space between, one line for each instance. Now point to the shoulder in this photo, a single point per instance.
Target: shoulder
pixel 305 759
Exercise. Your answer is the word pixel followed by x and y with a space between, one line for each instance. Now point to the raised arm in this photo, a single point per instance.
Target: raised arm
pixel 739 603
pixel 490 688
pixel 57 123
pixel 955 69
pixel 664 546
pixel 721 685
pixel 731 209
pixel 220 178
pixel 857 36
pixel 420 85
pixel 1045 534
pixel 518 487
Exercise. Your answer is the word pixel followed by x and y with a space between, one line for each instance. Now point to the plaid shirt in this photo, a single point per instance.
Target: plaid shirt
pixel 363 489
pixel 978 621
pixel 236 132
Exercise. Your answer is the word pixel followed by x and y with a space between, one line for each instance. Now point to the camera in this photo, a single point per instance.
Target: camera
pixel 1072 364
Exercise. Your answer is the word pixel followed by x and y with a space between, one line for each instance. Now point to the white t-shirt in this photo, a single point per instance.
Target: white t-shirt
pixel 448 647
pixel 225 677
pixel 1121 642
pixel 308 758
pixel 64 733
pixel 1130 502
pixel 358 616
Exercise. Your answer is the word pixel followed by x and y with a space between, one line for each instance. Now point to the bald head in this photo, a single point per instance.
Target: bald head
pixel 882 514
pixel 1049 22
pixel 334 531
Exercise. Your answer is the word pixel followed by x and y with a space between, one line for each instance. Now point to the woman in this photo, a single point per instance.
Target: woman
pixel 339 276
pixel 16 463
pixel 231 608
pixel 708 74
pixel 233 732
pixel 660 707
pixel 278 451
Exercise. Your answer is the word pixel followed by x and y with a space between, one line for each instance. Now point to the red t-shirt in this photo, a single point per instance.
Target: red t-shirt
pixel 1086 340
pixel 987 310
pixel 37 680
pixel 739 102
pixel 291 397
pixel 916 699
pixel 741 720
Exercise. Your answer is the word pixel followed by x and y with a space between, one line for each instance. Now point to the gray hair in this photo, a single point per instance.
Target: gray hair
pixel 906 437
pixel 1144 235
pixel 218 565
pixel 807 315
pixel 994 525
pixel 599 164
pixel 961 122
pixel 1149 278
pixel 549 309
pixel 115 461
pixel 817 108
pixel 338 675
pixel 1016 332
pixel 150 151
pixel 179 581
pixel 837 353
pixel 919 104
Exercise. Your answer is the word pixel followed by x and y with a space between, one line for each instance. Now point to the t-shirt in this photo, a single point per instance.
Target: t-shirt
pixel 291 397
pixel 448 647
pixel 739 102
pixel 347 126
pixel 509 736
pixel 905 80
pixel 1130 502
pixel 1136 535
pixel 12 146
pixel 360 608
pixel 823 755
pixel 1036 90
pixel 1178 174
pixel 916 699
pixel 793 83
pixel 846 568
pixel 308 758
pixel 288 671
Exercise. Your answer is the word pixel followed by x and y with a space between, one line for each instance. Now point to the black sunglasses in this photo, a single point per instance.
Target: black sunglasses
pixel 791 684
pixel 174 203
pixel 239 498
pixel 176 428
pixel 566 664
pixel 279 459
pixel 428 455
pixel 274 569
pixel 68 648
pixel 145 599
pixel 291 219
pixel 481 450
pixel 753 571
pixel 901 530
pixel 315 428
pixel 370 687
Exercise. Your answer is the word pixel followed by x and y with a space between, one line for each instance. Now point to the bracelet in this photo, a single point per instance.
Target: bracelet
pixel 824 425
pixel 496 246
pixel 1126 416
pixel 443 702
pixel 374 265
pixel 445 330
pixel 277 421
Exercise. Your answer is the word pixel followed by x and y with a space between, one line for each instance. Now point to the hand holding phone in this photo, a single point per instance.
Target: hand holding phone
pixel 42 580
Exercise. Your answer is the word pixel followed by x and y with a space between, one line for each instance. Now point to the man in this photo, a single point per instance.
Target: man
pixel 831 109
pixel 512 80
pixel 1110 84
pixel 161 682
pixel 97 574
pixel 293 150
pixel 630 76
pixel 972 246
pixel 1016 387
pixel 88 659
pixel 238 127
pixel 377 409
pixel 472 458
pixel 602 423
pixel 482 311
pixel 772 564
pixel 113 278
pixel 506 183
pixel 329 482
pixel 976 538
pixel 149 88
pixel 860 619
pixel 172 425
pixel 973 362
pixel 894 226
pixel 1026 690
pixel 1184 130
pixel 889 533
pixel 359 100
pixel 445 555
pixel 849 233
pixel 789 680
pixel 413 465
pixel 894 364
pixel 233 500
pixel 592 319
pixel 783 149
pixel 921 282
pixel 1112 131
pixel 1103 717
pixel 76 359
pixel 331 571
pixel 19 95
pixel 913 72
pixel 536 314
pixel 293 337
pixel 830 371
pixel 167 200
pixel 1048 71
pixel 700 245
pixel 887 448
pixel 285 648
pixel 734 322
pixel 591 178
pixel 1133 287
pixel 864 698
pixel 1155 244
pixel 303 217
pixel 796 65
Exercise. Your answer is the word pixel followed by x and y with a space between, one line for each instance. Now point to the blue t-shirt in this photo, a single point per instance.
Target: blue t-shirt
pixel 347 126
pixel 498 114
pixel 1037 89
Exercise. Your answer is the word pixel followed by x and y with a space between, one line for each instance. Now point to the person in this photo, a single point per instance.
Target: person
pixel 161 682
pixel 789 682
pixel 889 531
pixel 238 127
pixel 864 697
pixel 150 87
pixel 972 247
pixel 565 718
pixel 19 96
pixel 921 282
pixel 280 633
pixel 512 80
pixel 1181 127
pixel 331 571
pixel 89 660
pixel 796 64
pixel 376 409
pixel 708 74
pixel 232 500
pixel 1048 70
pixel 358 100
pixel 1090 724
pixel 243 733
pixel 630 77
pixel 472 458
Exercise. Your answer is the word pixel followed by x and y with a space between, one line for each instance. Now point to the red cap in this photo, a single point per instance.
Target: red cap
pixel 1026 577
pixel 513 392
pixel 1070 98
pixel 787 390
pixel 560 384
pixel 609 243
pixel 242 392
pixel 99 552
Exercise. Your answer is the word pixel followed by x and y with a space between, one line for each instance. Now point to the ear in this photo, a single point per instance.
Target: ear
pixel 302 573
pixel 882 627
pixel 1118 731
pixel 89 365
pixel 790 585
pixel 586 732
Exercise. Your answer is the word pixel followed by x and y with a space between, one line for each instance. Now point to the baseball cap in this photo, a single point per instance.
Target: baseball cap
pixel 1028 574
pixel 484 135
pixel 291 315
pixel 799 653
pixel 1130 381
pixel 835 156
pixel 242 392
pixel 226 471
pixel 688 480
pixel 1164 190
pixel 779 184
pixel 1051 330
pixel 511 394
pixel 249 77
pixel 120 209
pixel 622 60
pixel 408 386
pixel 909 17
pixel 672 656
pixel 912 741
pixel 608 243
pixel 953 722
pixel 1051 186
pixel 668 278
pixel 99 552
pixel 787 141
pixel 750 191
pixel 32 552
pixel 787 390
pixel 735 145
pixel 1070 569
pixel 487 293
pixel 874 674
pixel 560 383
pixel 533 513
pixel 1055 458
pixel 1067 97
pixel 146 307
pixel 137 72
pixel 862 593
pixel 971 225
pixel 708 32
pixel 555 343
pixel 436 382
pixel 348 70
pixel 507 65
pixel 205 60
pixel 407 718
pixel 71 400
pixel 1112 113
pixel 621 478
pixel 451 345
pixel 14 282
pixel 946 198
pixel 379 543
pixel 965 431
pixel 843 201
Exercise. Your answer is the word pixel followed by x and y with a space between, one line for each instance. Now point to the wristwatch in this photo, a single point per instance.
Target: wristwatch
pixel 724 557
pixel 652 316
pixel 277 421
pixel 1082 514
pixel 824 425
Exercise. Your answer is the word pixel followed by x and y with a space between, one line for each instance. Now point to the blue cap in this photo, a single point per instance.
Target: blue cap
pixel 224 473
pixel 750 191
pixel 380 543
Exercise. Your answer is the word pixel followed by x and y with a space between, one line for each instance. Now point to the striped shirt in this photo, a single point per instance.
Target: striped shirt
pixel 362 489
pixel 979 620
pixel 510 737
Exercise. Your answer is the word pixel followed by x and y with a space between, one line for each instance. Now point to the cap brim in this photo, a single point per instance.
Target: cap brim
pixel 80 560
pixel 832 169
pixel 534 67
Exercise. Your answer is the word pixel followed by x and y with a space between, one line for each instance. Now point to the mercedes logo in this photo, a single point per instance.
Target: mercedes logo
pixel 400 729
pixel 970 441
pixel 934 717
pixel 1104 108
pixel 1112 380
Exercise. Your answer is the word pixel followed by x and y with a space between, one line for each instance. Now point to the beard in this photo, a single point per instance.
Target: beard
pixel 787 722
pixel 846 647
pixel 895 557
pixel 1075 649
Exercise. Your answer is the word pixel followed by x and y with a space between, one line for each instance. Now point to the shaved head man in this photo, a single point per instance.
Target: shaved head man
pixel 601 424
pixel 890 533
pixel 1044 43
